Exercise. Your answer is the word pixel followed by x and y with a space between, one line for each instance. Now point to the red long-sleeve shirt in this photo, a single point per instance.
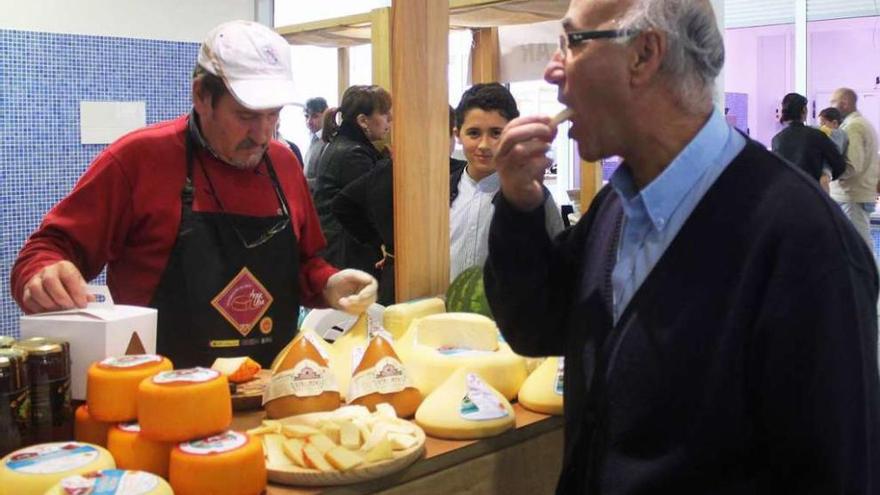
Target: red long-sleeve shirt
pixel 125 211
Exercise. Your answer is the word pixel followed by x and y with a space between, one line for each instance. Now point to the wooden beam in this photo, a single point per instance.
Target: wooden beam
pixel 343 66
pixel 381 42
pixel 485 56
pixel 591 182
pixel 349 20
pixel 421 147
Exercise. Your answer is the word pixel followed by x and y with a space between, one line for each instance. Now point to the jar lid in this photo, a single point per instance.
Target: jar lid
pixel 40 349
pixel 6 341
pixel 8 357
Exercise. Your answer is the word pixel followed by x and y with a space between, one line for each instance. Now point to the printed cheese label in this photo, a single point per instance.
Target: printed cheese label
pixel 313 339
pixel 306 379
pixel 560 376
pixel 110 482
pixel 479 403
pixel 52 458
pixel 387 376
pixel 461 351
pixel 130 361
pixel 188 375
pixel 217 444
pixel 130 427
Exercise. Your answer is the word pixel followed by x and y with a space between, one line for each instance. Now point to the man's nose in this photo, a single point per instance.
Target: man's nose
pixel 554 72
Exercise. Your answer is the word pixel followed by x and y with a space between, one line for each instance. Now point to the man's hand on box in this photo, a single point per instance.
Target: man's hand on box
pixel 56 287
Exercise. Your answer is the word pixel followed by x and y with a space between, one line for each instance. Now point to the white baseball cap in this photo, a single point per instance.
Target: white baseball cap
pixel 253 61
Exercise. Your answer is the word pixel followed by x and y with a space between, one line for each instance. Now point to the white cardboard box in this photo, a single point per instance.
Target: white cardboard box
pixel 100 330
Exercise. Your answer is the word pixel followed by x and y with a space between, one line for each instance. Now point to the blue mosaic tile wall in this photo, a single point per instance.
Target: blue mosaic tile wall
pixel 44 77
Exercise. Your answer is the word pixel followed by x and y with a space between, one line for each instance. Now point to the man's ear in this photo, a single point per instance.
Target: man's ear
pixel 361 120
pixel 648 49
pixel 200 97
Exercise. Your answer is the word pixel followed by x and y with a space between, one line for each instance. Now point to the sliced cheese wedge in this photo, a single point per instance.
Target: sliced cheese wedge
pixel 398 317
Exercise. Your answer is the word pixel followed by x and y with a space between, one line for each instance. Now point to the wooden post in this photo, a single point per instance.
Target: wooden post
pixel 591 182
pixel 344 67
pixel 381 37
pixel 485 56
pixel 421 147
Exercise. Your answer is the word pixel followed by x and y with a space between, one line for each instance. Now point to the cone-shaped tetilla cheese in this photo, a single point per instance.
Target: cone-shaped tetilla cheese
pixel 112 482
pixel 381 377
pixel 346 351
pixel 86 429
pixel 112 385
pixel 180 405
pixel 542 390
pixel 133 451
pixel 231 463
pixel 397 317
pixel 322 345
pixel 465 407
pixel 33 470
pixel 302 382
pixel 437 345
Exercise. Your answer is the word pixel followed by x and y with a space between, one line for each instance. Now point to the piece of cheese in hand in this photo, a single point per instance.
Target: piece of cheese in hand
pixel 112 482
pixel 542 390
pixel 181 405
pixel 465 407
pixel 135 452
pixel 33 470
pixel 112 385
pixel 397 317
pixel 89 430
pixel 231 463
pixel 237 370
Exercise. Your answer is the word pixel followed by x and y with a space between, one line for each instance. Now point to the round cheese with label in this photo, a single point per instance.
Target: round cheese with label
pixel 181 405
pixel 230 463
pixel 465 407
pixel 86 429
pixel 381 377
pixel 33 470
pixel 136 452
pixel 112 385
pixel 542 390
pixel 302 382
pixel 112 482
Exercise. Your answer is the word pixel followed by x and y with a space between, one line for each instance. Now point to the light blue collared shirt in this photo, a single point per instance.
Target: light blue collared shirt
pixel 654 215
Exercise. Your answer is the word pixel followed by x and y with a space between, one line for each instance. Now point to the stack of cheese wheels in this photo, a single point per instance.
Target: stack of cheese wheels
pixel 381 377
pixel 465 407
pixel 33 470
pixel 133 451
pixel 397 318
pixel 230 463
pixel 181 405
pixel 347 349
pixel 86 429
pixel 112 482
pixel 437 345
pixel 542 390
pixel 112 385
pixel 302 381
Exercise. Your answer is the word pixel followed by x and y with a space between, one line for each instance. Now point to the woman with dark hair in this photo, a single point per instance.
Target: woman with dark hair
pixel 364 117
pixel 808 148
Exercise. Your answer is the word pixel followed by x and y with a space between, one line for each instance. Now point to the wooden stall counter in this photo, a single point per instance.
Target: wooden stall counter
pixel 526 460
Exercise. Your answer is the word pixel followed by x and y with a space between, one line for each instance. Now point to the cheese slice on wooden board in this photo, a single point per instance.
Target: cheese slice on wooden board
pixel 112 385
pixel 180 405
pixel 230 463
pixel 135 452
pixel 112 482
pixel 465 407
pixel 88 430
pixel 397 317
pixel 35 469
pixel 302 381
pixel 542 390
pixel 381 377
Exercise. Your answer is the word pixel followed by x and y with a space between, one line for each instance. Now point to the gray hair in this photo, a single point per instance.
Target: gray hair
pixel 695 46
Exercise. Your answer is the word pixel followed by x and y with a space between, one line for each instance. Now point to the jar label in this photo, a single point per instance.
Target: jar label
pixel 189 375
pixel 52 458
pixel 217 444
pixel 110 482
pixel 130 361
pixel 479 403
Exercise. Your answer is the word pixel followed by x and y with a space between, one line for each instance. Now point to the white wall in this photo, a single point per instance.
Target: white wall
pixel 171 20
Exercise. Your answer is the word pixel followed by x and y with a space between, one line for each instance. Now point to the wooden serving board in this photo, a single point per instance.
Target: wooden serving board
pixel 297 476
pixel 249 395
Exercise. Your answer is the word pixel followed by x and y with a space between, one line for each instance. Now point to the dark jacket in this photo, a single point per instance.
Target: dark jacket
pixel 456 168
pixel 809 149
pixel 348 156
pixel 746 363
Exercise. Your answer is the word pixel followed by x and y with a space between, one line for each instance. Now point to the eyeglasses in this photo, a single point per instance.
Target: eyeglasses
pixel 268 234
pixel 568 40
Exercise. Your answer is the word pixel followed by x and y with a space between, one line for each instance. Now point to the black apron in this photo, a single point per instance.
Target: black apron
pixel 231 284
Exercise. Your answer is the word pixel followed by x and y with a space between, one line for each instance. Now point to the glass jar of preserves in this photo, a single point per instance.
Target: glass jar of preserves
pixel 15 401
pixel 6 341
pixel 48 369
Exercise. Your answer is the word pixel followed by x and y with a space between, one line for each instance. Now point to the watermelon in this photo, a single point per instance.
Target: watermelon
pixel 466 294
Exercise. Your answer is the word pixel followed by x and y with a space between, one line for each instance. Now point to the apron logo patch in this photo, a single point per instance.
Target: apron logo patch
pixel 266 325
pixel 243 302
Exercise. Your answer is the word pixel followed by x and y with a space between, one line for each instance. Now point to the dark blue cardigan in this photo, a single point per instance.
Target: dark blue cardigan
pixel 746 362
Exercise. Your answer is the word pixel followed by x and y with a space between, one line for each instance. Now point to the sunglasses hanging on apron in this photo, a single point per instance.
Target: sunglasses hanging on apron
pixel 231 284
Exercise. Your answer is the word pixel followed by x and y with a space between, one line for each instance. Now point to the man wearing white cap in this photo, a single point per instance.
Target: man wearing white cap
pixel 204 217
